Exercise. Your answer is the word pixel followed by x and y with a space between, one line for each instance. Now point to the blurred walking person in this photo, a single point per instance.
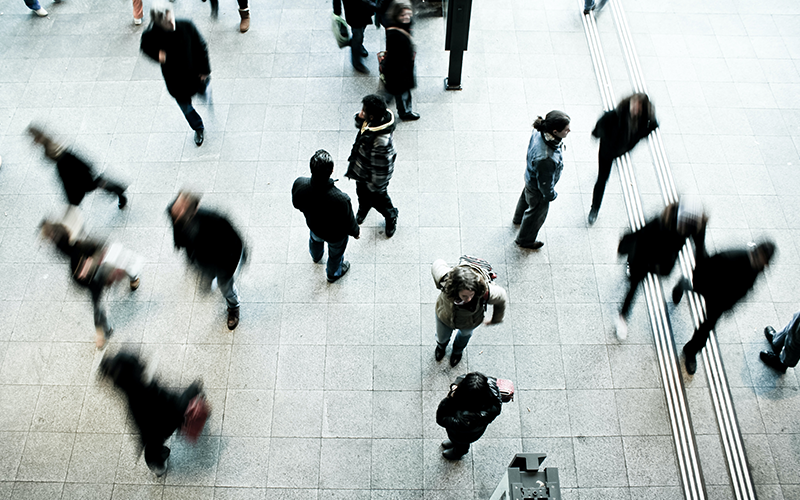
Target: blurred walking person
pixel 372 161
pixel 183 55
pixel 619 130
pixel 544 166
pixel 470 406
pixel 329 214
pixel 723 280
pixel 95 266
pixel 212 244
pixel 655 248
pixel 244 13
pixel 358 14
pixel 35 6
pixel 157 411
pixel 398 64
pixel 76 175
pixel 785 346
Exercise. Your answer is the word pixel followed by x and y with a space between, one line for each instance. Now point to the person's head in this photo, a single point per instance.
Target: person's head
pixel 185 206
pixel 400 12
pixel 638 104
pixel 556 123
pixel 761 254
pixel 52 149
pixel 463 284
pixel 690 217
pixel 53 231
pixel 373 107
pixel 473 392
pixel 321 165
pixel 161 15
pixel 124 369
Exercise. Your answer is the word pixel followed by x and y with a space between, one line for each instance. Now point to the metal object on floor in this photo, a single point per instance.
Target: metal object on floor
pixel 525 479
pixel 456 21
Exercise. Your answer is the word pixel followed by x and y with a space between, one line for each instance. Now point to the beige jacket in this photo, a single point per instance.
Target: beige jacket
pixel 455 317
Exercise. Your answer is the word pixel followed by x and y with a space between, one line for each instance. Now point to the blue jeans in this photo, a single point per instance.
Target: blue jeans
pixel 787 342
pixel 33 4
pixel 316 246
pixel 590 4
pixel 190 113
pixel 444 332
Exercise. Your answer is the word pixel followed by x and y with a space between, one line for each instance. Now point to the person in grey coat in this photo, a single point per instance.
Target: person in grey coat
pixel 785 346
pixel 545 164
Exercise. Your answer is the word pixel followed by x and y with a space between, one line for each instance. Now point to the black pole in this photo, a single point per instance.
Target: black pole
pixel 453 80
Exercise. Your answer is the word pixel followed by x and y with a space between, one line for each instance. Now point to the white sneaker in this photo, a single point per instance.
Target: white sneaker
pixel 41 12
pixel 137 22
pixel 621 328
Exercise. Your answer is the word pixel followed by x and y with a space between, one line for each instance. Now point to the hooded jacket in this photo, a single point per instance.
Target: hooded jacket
pixel 187 57
pixel 469 315
pixel 545 164
pixel 467 425
pixel 372 157
pixel 328 211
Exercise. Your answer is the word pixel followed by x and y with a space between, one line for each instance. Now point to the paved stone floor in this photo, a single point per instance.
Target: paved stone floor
pixel 329 391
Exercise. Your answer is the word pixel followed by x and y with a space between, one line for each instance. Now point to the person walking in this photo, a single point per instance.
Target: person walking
pixel 371 161
pixel 619 130
pixel 183 55
pixel 35 6
pixel 398 65
pixel 244 13
pixel 655 248
pixel 470 406
pixel 212 244
pixel 358 14
pixel 785 346
pixel 157 411
pixel 544 166
pixel 95 267
pixel 723 280
pixel 466 294
pixel 76 175
pixel 328 212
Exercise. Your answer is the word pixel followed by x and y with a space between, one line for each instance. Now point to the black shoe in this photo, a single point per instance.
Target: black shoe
pixel 535 246
pixel 691 361
pixel 773 361
pixel 585 11
pixel 361 68
pixel 345 268
pixel 317 261
pixel 410 116
pixel 364 52
pixel 451 455
pixel 770 333
pixel 391 226
pixel 360 217
pixel 677 294
pixel 233 318
pixel 214 11
pixel 198 137
pixel 447 444
pixel 592 216
pixel 455 359
pixel 439 352
pixel 123 201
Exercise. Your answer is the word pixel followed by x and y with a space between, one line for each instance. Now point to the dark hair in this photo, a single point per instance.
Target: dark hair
pixel 766 250
pixel 463 278
pixel 474 392
pixel 555 120
pixel 644 99
pixel 321 164
pixel 396 8
pixel 374 106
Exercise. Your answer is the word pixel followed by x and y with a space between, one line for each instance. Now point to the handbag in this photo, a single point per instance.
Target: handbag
pixel 340 31
pixel 195 417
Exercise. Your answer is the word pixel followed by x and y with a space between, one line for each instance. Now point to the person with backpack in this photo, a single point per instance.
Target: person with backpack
pixel 398 63
pixel 467 291
pixel 470 406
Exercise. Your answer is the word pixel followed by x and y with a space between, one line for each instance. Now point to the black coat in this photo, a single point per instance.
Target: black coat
pixel 467 425
pixel 614 131
pixel 724 279
pixel 655 248
pixel 358 13
pixel 76 176
pixel 187 57
pixel 328 211
pixel 398 67
pixel 211 242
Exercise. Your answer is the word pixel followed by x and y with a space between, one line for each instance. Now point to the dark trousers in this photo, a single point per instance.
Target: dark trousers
pixel 531 212
pixel 109 186
pixel 700 337
pixel 155 453
pixel 215 5
pixel 357 45
pixel 379 200
pixel 191 115
pixel 316 247
pixel 460 448
pixel 633 284
pixel 605 158
pixel 403 101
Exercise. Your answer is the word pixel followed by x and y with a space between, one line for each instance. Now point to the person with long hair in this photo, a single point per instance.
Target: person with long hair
pixel 470 406
pixel 466 295
pixel 544 166
pixel 619 130
pixel 398 66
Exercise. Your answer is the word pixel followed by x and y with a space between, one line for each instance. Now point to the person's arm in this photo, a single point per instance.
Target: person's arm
pixel 149 44
pixel 439 270
pixel 545 178
pixel 497 298
pixel 382 159
pixel 601 128
pixel 200 52
pixel 355 229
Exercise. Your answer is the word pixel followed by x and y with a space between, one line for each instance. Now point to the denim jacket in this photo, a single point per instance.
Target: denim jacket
pixel 544 165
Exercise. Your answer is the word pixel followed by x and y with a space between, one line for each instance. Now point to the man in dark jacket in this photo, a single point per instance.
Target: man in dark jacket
pixel 329 214
pixel 358 15
pixel 157 412
pixel 182 53
pixel 619 130
pixel 372 161
pixel 723 280
pixel 212 244
pixel 76 176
